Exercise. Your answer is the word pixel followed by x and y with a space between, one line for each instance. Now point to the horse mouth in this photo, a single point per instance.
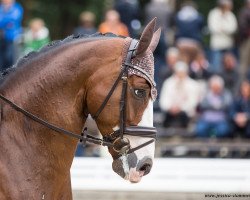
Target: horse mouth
pixel 135 176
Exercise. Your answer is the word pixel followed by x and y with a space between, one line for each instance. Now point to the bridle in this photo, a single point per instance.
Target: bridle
pixel 116 139
pixel 121 144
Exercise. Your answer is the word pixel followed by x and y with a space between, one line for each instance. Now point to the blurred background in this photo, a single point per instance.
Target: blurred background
pixel 62 17
pixel 202 112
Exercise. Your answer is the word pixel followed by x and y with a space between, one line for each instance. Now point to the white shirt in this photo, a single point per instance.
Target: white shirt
pixel 182 93
pixel 222 26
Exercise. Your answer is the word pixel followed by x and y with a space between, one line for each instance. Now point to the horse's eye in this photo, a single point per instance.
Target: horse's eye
pixel 140 93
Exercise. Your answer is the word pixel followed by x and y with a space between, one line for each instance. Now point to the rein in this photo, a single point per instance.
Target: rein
pixel 83 137
pixel 115 140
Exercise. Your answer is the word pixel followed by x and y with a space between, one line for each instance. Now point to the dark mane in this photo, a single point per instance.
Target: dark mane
pixel 50 46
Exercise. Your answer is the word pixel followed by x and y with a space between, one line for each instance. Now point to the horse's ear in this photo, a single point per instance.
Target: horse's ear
pixel 155 40
pixel 146 38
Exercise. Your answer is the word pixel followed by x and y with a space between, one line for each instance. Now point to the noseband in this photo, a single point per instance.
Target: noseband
pixel 116 139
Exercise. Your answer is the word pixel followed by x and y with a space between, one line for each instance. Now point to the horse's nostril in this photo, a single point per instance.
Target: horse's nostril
pixel 145 168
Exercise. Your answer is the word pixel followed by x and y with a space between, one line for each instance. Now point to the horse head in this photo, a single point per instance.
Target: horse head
pixel 124 112
pixel 54 89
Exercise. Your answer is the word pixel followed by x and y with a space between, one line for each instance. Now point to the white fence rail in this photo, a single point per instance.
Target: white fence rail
pixel 167 175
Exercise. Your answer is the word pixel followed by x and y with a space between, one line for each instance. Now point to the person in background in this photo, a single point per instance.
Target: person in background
pixel 200 71
pixel 37 36
pixel 159 59
pixel 129 14
pixel 113 24
pixel 189 23
pixel 166 70
pixel 244 31
pixel 241 110
pixel 87 24
pixel 11 15
pixel 230 72
pixel 214 110
pixel 163 11
pixel 172 56
pixel 199 68
pixel 179 97
pixel 222 25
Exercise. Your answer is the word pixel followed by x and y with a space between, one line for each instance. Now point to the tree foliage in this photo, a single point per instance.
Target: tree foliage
pixel 61 16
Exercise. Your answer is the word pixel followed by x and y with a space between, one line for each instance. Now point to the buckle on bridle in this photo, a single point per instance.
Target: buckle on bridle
pixel 121 145
pixel 83 140
pixel 124 78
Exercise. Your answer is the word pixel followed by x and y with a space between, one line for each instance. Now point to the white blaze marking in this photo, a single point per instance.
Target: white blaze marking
pixel 147 117
pixel 147 121
pixel 124 159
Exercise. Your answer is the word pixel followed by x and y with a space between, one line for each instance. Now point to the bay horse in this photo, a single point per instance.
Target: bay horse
pixel 47 97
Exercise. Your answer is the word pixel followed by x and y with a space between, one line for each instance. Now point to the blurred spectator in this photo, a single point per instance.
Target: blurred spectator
pixel 230 72
pixel 128 10
pixel 189 23
pixel 87 24
pixel 167 70
pixel 214 110
pixel 241 110
pixel 159 59
pixel 161 10
pixel 199 71
pixel 179 97
pixel 199 67
pixel 189 49
pixel 36 37
pixel 11 14
pixel 113 24
pixel 222 25
pixel 171 58
pixel 244 29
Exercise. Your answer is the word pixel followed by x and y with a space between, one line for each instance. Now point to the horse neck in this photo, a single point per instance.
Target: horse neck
pixel 54 86
pixel 55 91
